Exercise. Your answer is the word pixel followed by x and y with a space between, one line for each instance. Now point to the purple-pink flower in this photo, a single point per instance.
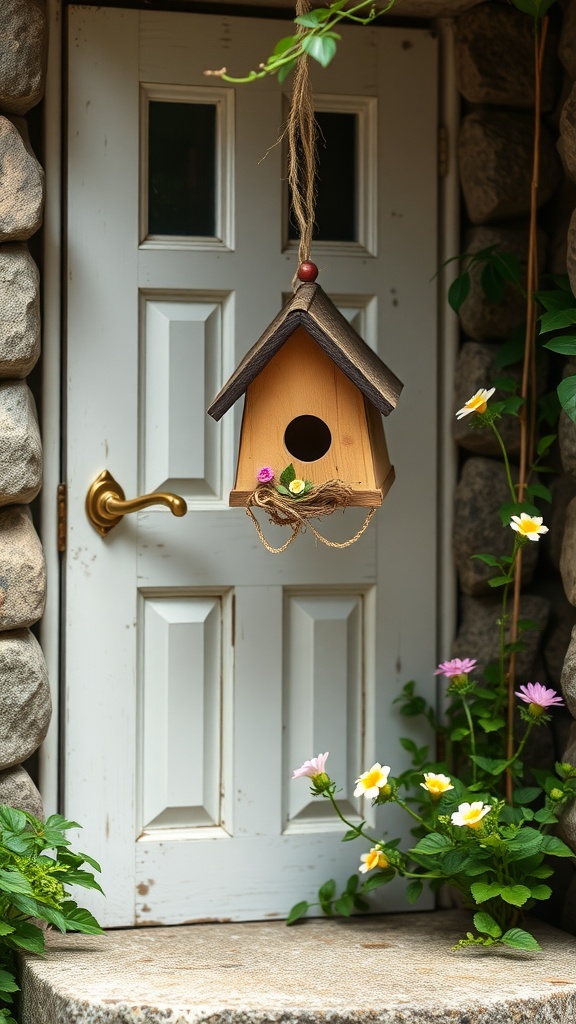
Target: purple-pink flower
pixel 315 766
pixel 265 475
pixel 456 667
pixel 536 693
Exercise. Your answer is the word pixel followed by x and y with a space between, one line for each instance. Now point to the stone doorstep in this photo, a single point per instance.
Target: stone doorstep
pixel 386 969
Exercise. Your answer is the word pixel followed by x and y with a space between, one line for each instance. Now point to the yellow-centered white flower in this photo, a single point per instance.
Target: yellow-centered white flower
pixel 436 784
pixel 296 486
pixel 470 814
pixel 528 526
pixel 371 782
pixel 374 859
pixel 477 403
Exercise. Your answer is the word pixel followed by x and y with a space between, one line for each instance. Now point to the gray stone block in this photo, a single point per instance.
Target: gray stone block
pixel 481 319
pixel 567 140
pixel 478 529
pixel 567 44
pixel 22 570
pixel 25 705
pixel 474 370
pixel 560 626
pixel 568 554
pixel 495 157
pixel 478 633
pixel 495 58
pixel 563 491
pixel 19 311
pixel 571 252
pixel 18 790
pixel 433 8
pixel 23 31
pixel 20 446
pixel 568 678
pixel 22 194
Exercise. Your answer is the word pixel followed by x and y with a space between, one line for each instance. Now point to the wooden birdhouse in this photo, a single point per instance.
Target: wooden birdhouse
pixel 314 395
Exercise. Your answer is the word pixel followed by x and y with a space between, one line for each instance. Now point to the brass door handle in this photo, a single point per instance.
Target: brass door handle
pixel 106 503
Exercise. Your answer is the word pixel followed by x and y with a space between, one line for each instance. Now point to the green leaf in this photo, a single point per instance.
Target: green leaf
pixel 360 903
pixel 298 911
pixel 488 559
pixel 458 291
pixel 492 765
pixel 567 394
pixel 414 890
pixel 352 833
pixel 27 936
pixel 458 734
pixel 545 816
pixel 541 871
pixel 555 300
pixel 283 45
pixel 540 892
pixel 505 383
pixel 555 847
pixel 493 285
pixel 5 928
pixel 526 794
pixel 524 625
pixel 13 881
pixel 433 844
pixel 11 819
pixel 286 69
pixel 511 352
pixel 545 443
pixel 352 884
pixel 565 344
pixel 382 878
pixel 517 938
pixel 491 724
pixel 57 821
pixel 516 895
pixel 327 891
pixel 483 891
pixel 555 320
pixel 539 491
pixel 515 508
pixel 499 581
pixel 513 404
pixel 313 18
pixel 486 925
pixel 288 475
pixel 89 860
pixel 320 48
pixel 344 905
pixel 283 490
pixel 408 744
pixel 80 920
pixel 8 982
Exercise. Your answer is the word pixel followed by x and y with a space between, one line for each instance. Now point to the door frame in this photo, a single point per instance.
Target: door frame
pixel 51 754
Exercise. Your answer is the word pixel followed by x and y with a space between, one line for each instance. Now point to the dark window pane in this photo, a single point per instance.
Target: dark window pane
pixel 182 169
pixel 337 184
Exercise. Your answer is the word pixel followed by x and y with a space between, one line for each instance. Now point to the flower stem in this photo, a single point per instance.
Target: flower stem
pixel 356 828
pixel 472 736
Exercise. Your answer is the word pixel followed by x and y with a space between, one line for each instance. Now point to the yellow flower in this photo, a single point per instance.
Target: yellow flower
pixel 370 783
pixel 470 814
pixel 374 859
pixel 528 526
pixel 296 486
pixel 436 784
pixel 477 403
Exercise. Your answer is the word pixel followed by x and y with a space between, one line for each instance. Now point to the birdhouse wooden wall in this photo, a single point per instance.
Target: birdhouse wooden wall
pixel 302 409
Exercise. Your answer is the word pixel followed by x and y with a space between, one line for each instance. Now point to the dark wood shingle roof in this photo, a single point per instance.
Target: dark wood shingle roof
pixel 311 308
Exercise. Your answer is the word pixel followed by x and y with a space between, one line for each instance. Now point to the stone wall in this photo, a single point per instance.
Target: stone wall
pixel 494 55
pixel 24 691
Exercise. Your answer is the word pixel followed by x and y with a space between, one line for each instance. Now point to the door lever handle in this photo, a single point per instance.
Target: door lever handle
pixel 106 503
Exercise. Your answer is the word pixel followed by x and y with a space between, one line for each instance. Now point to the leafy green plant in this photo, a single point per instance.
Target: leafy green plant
pixel 36 869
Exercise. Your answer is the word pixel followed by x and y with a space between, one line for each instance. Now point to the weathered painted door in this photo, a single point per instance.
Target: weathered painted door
pixel 200 669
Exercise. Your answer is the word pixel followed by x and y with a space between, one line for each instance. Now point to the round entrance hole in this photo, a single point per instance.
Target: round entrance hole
pixel 307 438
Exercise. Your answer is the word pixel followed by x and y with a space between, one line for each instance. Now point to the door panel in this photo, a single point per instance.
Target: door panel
pixel 200 669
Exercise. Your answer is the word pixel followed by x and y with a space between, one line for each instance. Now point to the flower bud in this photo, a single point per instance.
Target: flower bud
pixel 556 794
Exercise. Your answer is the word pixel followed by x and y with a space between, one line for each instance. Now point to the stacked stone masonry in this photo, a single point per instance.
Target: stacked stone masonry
pixel 24 690
pixel 494 59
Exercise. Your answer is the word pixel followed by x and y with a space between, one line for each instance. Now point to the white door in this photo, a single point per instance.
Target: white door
pixel 200 669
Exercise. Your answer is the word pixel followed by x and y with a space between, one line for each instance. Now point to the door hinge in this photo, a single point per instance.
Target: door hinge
pixel 62 510
pixel 443 151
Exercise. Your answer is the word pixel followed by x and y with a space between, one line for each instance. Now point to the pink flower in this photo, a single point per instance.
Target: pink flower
pixel 456 667
pixel 265 475
pixel 311 768
pixel 538 695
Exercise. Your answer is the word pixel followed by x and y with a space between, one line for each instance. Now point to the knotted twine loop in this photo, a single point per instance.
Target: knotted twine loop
pixel 322 500
pixel 301 130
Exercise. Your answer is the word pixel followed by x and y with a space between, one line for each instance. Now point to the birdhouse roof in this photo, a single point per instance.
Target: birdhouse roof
pixel 311 308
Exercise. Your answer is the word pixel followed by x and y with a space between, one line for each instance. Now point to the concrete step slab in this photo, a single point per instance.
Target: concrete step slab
pixel 389 969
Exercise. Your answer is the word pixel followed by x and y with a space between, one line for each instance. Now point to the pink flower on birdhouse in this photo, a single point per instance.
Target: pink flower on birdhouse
pixel 265 475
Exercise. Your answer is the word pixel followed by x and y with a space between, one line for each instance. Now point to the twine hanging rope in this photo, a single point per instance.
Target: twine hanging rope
pixel 322 500
pixel 326 498
pixel 302 132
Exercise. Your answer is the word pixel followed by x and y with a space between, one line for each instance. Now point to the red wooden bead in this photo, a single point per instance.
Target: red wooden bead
pixel 307 271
